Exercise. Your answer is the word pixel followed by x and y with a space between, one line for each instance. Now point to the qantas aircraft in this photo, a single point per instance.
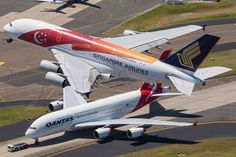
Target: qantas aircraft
pixel 75 113
pixel 82 59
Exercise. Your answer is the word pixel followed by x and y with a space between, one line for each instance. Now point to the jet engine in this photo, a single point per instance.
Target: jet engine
pixel 56 79
pixel 130 32
pixel 55 105
pixel 135 132
pixel 102 133
pixel 50 66
pixel 105 76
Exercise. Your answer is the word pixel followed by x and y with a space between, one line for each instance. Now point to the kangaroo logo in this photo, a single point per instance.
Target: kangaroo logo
pixel 189 53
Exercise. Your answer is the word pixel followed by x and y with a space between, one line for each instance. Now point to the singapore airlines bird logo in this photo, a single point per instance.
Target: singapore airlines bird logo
pixel 185 58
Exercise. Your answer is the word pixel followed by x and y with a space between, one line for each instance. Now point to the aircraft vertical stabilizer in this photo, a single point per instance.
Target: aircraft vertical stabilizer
pixel 191 56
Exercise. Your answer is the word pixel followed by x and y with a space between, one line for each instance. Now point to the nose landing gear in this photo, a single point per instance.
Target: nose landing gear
pixel 9 40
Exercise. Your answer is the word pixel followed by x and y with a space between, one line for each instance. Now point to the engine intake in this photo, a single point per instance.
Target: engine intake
pixel 105 76
pixel 50 66
pixel 55 105
pixel 102 133
pixel 56 79
pixel 135 132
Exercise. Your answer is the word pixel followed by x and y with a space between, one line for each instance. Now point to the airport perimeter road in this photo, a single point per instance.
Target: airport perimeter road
pixel 205 100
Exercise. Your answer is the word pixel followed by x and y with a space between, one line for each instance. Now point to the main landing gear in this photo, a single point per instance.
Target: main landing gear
pixel 36 141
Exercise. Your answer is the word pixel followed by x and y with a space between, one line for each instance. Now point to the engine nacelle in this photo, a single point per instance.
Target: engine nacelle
pixel 105 76
pixel 56 79
pixel 130 32
pixel 55 105
pixel 102 133
pixel 135 132
pixel 49 66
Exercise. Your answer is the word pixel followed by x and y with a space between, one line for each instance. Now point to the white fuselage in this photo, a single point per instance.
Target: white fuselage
pixel 109 108
pixel 117 65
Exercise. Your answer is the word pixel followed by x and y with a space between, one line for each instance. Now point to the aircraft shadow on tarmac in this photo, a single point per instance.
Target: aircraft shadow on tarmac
pixel 121 136
pixel 156 109
pixel 117 135
pixel 60 8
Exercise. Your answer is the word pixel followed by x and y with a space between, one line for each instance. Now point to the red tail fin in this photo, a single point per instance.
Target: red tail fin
pixel 147 90
pixel 165 54
pixel 148 86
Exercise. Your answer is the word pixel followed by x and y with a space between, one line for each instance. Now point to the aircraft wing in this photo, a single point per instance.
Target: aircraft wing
pixel 147 40
pixel 80 75
pixel 72 98
pixel 131 121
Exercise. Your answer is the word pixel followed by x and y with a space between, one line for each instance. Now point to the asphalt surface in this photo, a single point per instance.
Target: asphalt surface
pixel 94 21
pixel 185 135
pixel 7 6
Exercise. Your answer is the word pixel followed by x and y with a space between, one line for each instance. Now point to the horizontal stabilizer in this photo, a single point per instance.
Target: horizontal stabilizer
pixel 181 85
pixel 167 94
pixel 205 73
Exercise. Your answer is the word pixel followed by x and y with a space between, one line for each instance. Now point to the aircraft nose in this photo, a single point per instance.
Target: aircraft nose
pixel 6 28
pixel 29 133
pixel 9 30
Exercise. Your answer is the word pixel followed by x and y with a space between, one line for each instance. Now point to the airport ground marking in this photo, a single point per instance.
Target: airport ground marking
pixel 2 63
pixel 151 131
pixel 52 91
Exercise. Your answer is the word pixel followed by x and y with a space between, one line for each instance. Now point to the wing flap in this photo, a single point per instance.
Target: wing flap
pixel 80 75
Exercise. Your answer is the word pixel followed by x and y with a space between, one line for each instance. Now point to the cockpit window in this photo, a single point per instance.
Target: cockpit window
pixel 33 128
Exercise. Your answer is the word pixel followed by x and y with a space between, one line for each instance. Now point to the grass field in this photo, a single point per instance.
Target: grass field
pixel 16 114
pixel 167 15
pixel 215 147
pixel 223 58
